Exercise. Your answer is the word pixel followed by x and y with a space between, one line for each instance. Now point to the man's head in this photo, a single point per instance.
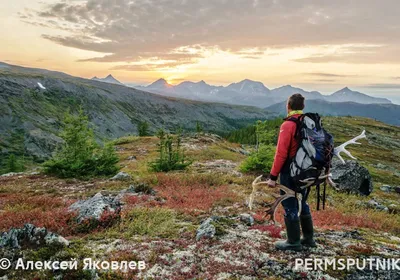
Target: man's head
pixel 295 102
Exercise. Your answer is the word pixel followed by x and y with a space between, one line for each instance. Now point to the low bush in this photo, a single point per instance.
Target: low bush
pixel 260 160
pixel 190 196
pixel 153 222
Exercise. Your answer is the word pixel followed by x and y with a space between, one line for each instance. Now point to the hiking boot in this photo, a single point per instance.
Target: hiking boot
pixel 308 231
pixel 293 237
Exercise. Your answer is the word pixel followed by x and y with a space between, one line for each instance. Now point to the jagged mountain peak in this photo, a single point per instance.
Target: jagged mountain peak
pixel 160 83
pixel 109 79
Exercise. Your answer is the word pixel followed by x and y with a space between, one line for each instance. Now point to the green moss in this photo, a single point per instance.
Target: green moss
pixel 153 222
pixel 125 140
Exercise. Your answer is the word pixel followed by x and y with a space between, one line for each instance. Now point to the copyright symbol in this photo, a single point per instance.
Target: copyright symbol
pixel 5 264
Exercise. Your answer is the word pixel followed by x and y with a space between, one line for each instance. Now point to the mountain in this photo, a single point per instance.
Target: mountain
pixel 109 79
pixel 31 116
pixel 246 92
pixel 249 87
pixel 283 93
pixel 388 113
pixel 252 93
pixel 348 95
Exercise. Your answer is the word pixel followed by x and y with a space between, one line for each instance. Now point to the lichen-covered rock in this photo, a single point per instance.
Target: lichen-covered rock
pixel 206 229
pixel 121 176
pixel 12 174
pixel 376 205
pixel 386 188
pixel 30 237
pixel 351 177
pixel 95 206
pixel 132 158
pixel 247 219
pixel 218 166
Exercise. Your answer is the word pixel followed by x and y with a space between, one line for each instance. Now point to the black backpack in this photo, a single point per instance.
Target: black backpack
pixel 314 154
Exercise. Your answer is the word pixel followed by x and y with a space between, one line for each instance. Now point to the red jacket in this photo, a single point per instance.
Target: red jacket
pixel 287 146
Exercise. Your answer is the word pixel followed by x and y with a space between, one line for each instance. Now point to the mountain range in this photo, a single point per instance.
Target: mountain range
pixel 388 113
pixel 253 93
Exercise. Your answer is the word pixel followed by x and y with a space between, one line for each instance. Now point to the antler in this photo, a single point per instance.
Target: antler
pixel 271 207
pixel 342 148
pixel 270 211
pixel 256 182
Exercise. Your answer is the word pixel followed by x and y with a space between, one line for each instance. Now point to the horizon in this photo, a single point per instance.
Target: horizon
pixel 308 44
pixel 130 84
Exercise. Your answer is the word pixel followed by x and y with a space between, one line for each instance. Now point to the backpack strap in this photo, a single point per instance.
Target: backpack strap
pixel 298 122
pixel 324 196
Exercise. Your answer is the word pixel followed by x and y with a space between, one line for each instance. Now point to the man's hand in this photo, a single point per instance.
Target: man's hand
pixel 271 183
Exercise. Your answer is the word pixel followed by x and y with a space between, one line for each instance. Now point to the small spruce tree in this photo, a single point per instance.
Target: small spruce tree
pixel 143 128
pixel 12 165
pixel 199 127
pixel 80 155
pixel 171 156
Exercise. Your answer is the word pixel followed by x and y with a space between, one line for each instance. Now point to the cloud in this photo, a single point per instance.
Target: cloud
pixel 325 80
pixel 317 74
pixel 151 66
pixel 129 31
pixel 384 86
pixel 356 54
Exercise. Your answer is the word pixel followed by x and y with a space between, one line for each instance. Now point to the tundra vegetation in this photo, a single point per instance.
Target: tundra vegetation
pixel 161 211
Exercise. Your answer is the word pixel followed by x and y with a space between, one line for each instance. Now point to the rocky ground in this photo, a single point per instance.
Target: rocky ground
pixel 187 225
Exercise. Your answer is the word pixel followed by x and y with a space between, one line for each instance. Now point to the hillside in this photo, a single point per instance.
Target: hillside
pixel 162 212
pixel 388 113
pixel 33 101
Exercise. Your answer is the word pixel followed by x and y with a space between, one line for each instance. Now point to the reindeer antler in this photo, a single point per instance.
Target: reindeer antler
pixel 342 148
pixel 271 208
pixel 256 182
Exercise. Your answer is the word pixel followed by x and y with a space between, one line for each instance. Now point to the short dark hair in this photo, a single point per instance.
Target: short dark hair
pixel 296 102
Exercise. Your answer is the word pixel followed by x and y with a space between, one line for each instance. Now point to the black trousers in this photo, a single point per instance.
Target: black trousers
pixel 291 205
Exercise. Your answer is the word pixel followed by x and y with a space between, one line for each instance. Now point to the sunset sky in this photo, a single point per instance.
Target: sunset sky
pixel 314 44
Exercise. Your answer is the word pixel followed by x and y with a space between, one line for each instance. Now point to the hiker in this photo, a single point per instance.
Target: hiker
pixel 285 151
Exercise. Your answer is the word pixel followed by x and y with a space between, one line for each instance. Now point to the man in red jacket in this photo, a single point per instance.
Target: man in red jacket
pixel 285 151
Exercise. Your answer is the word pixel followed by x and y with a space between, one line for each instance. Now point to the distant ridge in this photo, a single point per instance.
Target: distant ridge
pixel 253 93
pixel 109 79
pixel 388 113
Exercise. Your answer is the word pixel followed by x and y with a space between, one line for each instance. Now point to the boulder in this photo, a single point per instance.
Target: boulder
pixel 30 237
pixel 122 176
pixel 376 205
pixel 386 188
pixel 95 206
pixel 206 229
pixel 247 219
pixel 351 177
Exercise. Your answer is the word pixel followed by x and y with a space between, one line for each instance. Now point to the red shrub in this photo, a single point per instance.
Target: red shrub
pixel 272 230
pixel 331 218
pixel 136 199
pixel 260 218
pixel 57 220
pixel 41 210
pixel 190 197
